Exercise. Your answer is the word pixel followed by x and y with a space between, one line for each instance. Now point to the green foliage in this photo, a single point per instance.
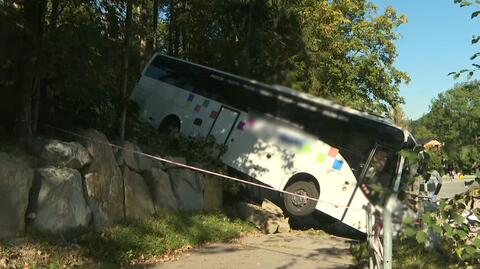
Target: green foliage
pixel 454 119
pixel 407 254
pixel 141 132
pixel 475 39
pixel 9 52
pixel 469 157
pixel 436 160
pixel 444 230
pixel 122 245
pixel 361 253
pixel 398 117
pixel 155 236
pixel 204 151
pixel 86 67
pixel 448 223
pixel 350 53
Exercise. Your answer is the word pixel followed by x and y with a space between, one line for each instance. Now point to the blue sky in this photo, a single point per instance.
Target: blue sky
pixel 435 41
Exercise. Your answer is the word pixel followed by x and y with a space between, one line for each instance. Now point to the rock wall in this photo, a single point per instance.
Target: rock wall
pixel 188 188
pixel 138 201
pixel 103 181
pixel 60 203
pixel 213 193
pixel 15 182
pixel 162 192
pixel 91 183
pixel 59 153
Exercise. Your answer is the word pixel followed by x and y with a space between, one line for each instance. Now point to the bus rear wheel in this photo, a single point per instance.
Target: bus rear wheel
pixel 299 206
pixel 170 126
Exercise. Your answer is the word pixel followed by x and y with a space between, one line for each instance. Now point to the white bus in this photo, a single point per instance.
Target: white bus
pixel 283 138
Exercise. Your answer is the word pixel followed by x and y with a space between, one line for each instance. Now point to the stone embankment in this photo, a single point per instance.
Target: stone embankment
pixel 85 183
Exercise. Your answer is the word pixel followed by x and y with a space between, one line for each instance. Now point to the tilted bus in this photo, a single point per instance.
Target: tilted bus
pixel 283 138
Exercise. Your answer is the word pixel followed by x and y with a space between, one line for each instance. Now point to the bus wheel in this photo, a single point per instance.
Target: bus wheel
pixel 300 206
pixel 170 125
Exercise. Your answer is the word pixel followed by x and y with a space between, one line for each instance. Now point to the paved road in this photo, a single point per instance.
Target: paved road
pixel 450 188
pixel 279 251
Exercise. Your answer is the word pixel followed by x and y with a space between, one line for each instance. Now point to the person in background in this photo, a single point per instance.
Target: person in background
pixel 433 185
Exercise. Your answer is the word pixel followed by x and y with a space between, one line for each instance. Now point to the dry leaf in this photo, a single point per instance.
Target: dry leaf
pixel 3 262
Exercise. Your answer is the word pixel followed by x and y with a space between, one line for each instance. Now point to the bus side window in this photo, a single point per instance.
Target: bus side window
pixel 376 167
pixel 155 72
pixel 379 175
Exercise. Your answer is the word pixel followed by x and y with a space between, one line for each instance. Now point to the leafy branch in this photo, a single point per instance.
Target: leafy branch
pixel 448 228
pixel 475 39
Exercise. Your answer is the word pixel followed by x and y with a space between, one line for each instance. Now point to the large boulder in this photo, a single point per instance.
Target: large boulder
pixel 15 182
pixel 130 157
pixel 61 154
pixel 188 188
pixel 58 200
pixel 272 208
pixel 162 192
pixel 103 181
pixel 268 217
pixel 138 200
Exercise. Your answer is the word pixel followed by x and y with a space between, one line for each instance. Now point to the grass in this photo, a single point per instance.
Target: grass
pixel 129 243
pixel 407 254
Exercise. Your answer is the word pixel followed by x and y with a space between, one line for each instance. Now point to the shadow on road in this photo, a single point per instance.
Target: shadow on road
pixel 319 220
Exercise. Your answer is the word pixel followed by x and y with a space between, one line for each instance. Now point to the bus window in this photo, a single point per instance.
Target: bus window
pixel 156 70
pixel 379 176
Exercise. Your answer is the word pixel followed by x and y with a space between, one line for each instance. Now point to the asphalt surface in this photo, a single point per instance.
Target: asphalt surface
pixel 279 251
pixel 450 188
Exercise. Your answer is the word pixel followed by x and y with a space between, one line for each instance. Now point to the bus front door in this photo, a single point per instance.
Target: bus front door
pixel 223 124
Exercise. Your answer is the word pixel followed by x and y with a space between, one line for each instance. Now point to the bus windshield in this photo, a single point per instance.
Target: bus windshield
pixel 379 176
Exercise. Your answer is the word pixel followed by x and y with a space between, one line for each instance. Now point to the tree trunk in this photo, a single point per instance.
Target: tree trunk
pixel 144 31
pixel 154 25
pixel 33 12
pixel 55 13
pixel 42 70
pixel 171 28
pixel 152 41
pixel 176 39
pixel 128 23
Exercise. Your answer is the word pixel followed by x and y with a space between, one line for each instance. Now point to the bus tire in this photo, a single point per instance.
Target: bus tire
pixel 298 206
pixel 170 125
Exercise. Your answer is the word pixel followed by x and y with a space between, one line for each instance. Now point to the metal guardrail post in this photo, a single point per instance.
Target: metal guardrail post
pixel 368 213
pixel 388 231
pixel 372 260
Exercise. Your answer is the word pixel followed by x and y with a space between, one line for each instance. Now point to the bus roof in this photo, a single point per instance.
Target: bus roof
pixel 304 100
